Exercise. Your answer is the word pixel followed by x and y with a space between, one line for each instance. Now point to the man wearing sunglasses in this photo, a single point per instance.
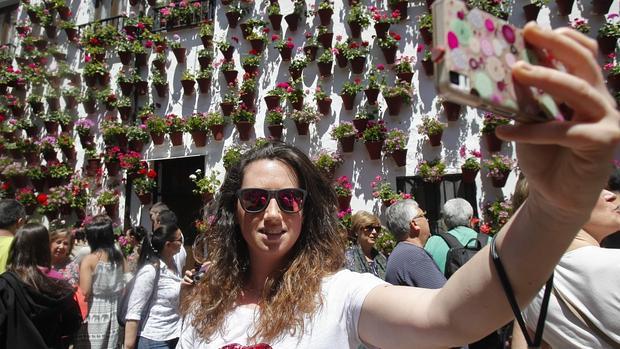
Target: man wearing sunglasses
pixel 409 264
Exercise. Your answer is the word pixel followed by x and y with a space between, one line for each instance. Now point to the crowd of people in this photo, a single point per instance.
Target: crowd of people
pixel 279 273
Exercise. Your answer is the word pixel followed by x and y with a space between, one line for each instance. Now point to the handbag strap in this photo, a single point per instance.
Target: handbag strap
pixel 585 319
pixel 147 307
pixel 503 277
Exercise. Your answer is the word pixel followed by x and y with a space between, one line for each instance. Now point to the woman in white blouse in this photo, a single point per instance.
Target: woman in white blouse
pixel 159 326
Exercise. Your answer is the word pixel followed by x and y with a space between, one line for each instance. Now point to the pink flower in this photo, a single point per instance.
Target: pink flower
pixel 140 25
pixel 476 153
pixel 87 58
pixel 378 178
pixel 235 39
pixel 463 151
pixel 275 37
pixel 338 37
pixel 380 67
pixel 164 12
pixel 148 44
pixel 196 4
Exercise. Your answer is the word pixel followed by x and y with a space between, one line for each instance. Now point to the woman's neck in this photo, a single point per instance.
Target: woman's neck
pixel 367 250
pixel 60 262
pixel 582 239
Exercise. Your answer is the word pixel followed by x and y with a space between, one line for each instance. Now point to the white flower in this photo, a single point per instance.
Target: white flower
pixel 192 177
pixel 198 171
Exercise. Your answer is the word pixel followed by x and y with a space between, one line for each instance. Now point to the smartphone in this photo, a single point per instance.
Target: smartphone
pixel 473 55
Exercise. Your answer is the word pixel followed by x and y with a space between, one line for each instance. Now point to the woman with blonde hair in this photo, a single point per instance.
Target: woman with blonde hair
pixel 362 256
pixel 61 245
pixel 277 280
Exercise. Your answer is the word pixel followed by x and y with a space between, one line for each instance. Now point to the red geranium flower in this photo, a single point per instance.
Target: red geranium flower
pixel 151 173
pixel 42 199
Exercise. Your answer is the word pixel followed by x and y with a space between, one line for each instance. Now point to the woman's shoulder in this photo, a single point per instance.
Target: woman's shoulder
pixel 347 279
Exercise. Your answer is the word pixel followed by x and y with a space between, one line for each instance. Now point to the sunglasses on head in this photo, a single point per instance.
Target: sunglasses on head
pixel 254 200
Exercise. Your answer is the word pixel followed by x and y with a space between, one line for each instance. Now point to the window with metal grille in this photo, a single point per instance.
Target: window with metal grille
pixel 206 13
pixel 8 12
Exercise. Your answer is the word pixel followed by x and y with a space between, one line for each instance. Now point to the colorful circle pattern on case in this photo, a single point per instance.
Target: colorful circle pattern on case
pixel 484 48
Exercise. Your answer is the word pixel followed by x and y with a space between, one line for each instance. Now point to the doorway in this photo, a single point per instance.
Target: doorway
pixel 175 190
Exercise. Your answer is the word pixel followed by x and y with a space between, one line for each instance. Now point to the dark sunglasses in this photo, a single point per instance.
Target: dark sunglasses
pixel 254 200
pixel 370 228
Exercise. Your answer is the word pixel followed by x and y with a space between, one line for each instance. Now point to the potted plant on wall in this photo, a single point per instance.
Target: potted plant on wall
pixel 433 129
pixel 203 78
pixel 382 20
pixel 325 11
pixel 431 171
pixel 226 49
pixel 112 161
pixel 251 62
pixel 389 46
pixel 396 95
pixel 491 121
pixel 325 36
pixel 275 95
pixel 303 118
pixel 358 19
pixel 285 47
pixel 580 25
pixel 157 128
pixel 144 185
pixel 349 91
pixel 206 186
pixel 198 127
pixel 247 90
pixel 159 63
pixel 356 55
pixel 327 162
pixel 66 146
pixel 275 16
pixel 188 81
pixel 229 71
pixel 233 14
pixel 243 119
pixel 108 199
pixel 230 100
pixel 310 47
pixel 382 190
pixel 532 9
pixel 176 126
pixel 613 73
pixel 470 169
pixel 70 96
pixel 273 119
pixel 323 101
pixel 297 66
pixel 325 63
pixel 451 109
pixel 343 188
pixel 404 68
pixel 345 134
pixel 374 82
pixel 299 10
pixel 608 34
pixel 123 105
pixel 160 83
pixel 216 123
pixel 340 50
pixel 499 167
pixel 205 57
pixel 206 33
pixel 137 137
pixel 396 146
pixel 295 94
pixel 374 138
pixel 124 51
pixel 258 39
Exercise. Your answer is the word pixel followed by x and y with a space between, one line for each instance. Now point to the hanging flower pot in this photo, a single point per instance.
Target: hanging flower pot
pixel 275 131
pixel 407 76
pixel 435 139
pixel 204 84
pixel 145 198
pixel 228 52
pixel 176 138
pixel 292 20
pixel 126 87
pixel 427 64
pixel 499 181
pixel 160 64
pixel 39 184
pixel 494 144
pixel 401 6
pixel 71 34
pixel 381 29
pixel 246 30
pixel 30 209
pixel 360 124
pixel 20 181
pixel 286 53
pixel 606 44
pixel 64 12
pixel 207 197
pixel 50 155
pixel 141 60
pixel 325 68
pixel 427 36
pixel 69 154
pixel 113 168
pixel 394 104
pixel 51 215
pixel 276 22
pixel 157 138
pixel 324 105
pixel 227 108
pixel 248 99
pixel 142 87
pixel 161 90
pixel 371 95
pixel 356 30
pixel 374 149
pixel 206 40
pixel 452 110
pixel 295 72
pixel 347 144
pixel 230 76
pixel 111 210
pixel 272 102
pixel 51 31
pixel 179 54
pixel 205 62
pixel 103 79
pixel 357 65
pixel 325 16
pixel 613 81
pixel 258 45
pixel 51 127
pixel 302 128
pixel 92 166
pixel 32 158
pixel 217 131
pixel 310 52
pixel 244 128
pixel 601 7
pixel 344 202
pixel 125 112
pixel 468 175
pixel 342 60
pixel 136 145
pixel 188 87
pixel 233 18
pixel 53 103
pixel 389 54
pixel 70 102
pixel 125 57
pixel 348 101
pixel 37 107
pixel 565 7
pixel 326 39
pixel 531 12
pixel 400 157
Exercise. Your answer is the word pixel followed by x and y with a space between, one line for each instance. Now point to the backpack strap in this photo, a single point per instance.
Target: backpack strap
pixel 450 240
pixel 483 239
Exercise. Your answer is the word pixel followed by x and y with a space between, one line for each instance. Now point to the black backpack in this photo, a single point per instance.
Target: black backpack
pixel 123 302
pixel 459 254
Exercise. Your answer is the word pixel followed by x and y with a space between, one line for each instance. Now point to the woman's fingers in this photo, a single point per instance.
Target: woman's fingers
pixel 588 103
pixel 577 58
pixel 583 40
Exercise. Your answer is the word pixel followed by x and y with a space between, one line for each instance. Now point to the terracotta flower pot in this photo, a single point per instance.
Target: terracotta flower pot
pixel 401 6
pixel 452 110
pixel 344 202
pixel 275 131
pixel 188 87
pixel 341 60
pixel 324 105
pixel 228 53
pixel 435 140
pixel 92 166
pixel 205 62
pixel 400 157
pixel 565 7
pixel 207 197
pixel 227 108
pixel 348 101
pixel 494 144
pixel 145 198
pixel 71 34
pixel 601 7
pixel 394 104
pixel 325 68
pixel 360 124
pixel 469 176
pixel 286 53
pixel 295 73
pixel 298 104
pixel 199 138
pixel 357 65
pixel 230 76
pixel 325 16
pixel 113 168
pixel 141 59
pixel 136 145
pixel 292 20
pixel 405 77
pixel 51 127
pixel 276 22
pixel 500 180
pixel 272 102
pixel 207 40
pixel 606 44
pixel 161 65
pixel 124 112
pixel 158 138
pixel 310 52
pixel 381 29
pixel 374 149
pixel 302 128
pixel 161 90
pixel 326 39
pixel 111 210
pixel 356 30
pixel 244 128
pixel 125 57
pixel 176 138
pixel 70 102
pixel 371 95
pixel 429 69
pixel 347 144
pixel 531 12
pixel 217 131
pixel 204 84
pixel 179 54
pixel 427 36
pixel 257 44
pixel 389 54
pixel 233 18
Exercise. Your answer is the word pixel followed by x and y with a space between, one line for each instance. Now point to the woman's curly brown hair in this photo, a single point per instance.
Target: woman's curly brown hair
pixel 294 293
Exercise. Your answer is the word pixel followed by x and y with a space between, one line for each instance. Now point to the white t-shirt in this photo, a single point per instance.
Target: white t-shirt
pixel 333 326
pixel 164 321
pixel 590 278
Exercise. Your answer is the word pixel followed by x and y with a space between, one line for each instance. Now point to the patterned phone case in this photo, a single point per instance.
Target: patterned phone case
pixel 476 53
